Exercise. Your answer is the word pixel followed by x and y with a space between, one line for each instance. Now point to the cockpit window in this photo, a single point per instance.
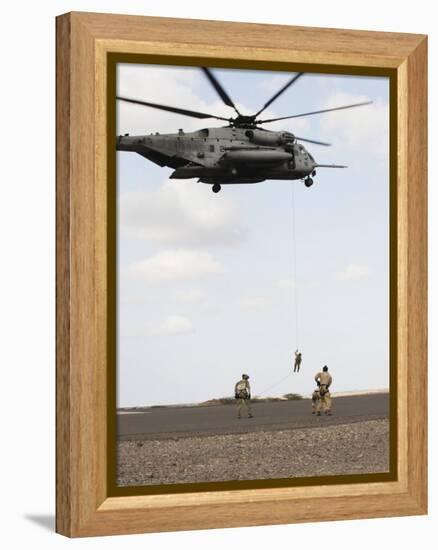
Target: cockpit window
pixel 203 133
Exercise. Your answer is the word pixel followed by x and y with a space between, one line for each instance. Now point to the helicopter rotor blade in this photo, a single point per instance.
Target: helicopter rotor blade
pixel 280 91
pixel 315 112
pixel 313 141
pixel 330 166
pixel 177 110
pixel 219 89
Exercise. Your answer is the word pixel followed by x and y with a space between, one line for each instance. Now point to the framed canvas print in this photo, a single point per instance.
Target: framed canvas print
pixel 241 274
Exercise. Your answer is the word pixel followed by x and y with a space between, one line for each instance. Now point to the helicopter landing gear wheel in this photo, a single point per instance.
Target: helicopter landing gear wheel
pixel 308 182
pixel 216 188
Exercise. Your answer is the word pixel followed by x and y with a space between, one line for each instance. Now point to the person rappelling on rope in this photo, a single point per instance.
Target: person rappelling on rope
pixel 298 359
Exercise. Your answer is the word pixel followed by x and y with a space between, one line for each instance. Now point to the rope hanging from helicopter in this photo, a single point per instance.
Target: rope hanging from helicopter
pixel 294 264
pixel 295 288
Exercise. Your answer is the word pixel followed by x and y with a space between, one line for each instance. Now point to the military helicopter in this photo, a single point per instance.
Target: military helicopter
pixel 240 152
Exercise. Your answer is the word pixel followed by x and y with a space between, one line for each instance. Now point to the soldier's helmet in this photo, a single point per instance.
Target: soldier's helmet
pixel 245 376
pixel 325 368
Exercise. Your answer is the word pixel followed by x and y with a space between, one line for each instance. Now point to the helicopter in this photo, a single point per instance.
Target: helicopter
pixel 238 153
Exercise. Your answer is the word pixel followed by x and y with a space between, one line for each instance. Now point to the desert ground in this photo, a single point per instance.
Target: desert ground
pixel 193 444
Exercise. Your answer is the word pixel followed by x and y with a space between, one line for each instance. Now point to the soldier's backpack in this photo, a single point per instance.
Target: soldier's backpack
pixel 242 390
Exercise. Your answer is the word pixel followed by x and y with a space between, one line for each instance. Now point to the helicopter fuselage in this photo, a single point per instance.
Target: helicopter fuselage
pixel 227 155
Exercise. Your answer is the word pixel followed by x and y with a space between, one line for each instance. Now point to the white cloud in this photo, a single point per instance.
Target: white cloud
pixel 255 302
pixel 175 324
pixel 272 84
pixel 193 296
pixel 288 283
pixel 364 129
pixel 171 265
pixel 165 85
pixel 183 213
pixel 285 283
pixel 353 272
pixel 173 86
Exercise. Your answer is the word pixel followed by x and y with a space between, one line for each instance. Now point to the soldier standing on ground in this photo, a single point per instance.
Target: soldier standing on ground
pixel 298 359
pixel 242 393
pixel 315 399
pixel 324 381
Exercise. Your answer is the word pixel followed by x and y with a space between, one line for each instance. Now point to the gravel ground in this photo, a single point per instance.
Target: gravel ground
pixel 356 448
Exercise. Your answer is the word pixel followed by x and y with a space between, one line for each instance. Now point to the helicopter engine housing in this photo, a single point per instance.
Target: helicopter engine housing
pixel 273 139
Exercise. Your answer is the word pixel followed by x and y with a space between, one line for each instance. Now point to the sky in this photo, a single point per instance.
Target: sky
pixel 211 286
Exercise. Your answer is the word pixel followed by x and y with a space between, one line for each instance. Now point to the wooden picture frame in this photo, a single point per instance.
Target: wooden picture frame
pixel 85 43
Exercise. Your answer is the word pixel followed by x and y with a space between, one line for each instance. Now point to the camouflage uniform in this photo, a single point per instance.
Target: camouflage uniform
pixel 298 359
pixel 324 381
pixel 315 399
pixel 242 393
